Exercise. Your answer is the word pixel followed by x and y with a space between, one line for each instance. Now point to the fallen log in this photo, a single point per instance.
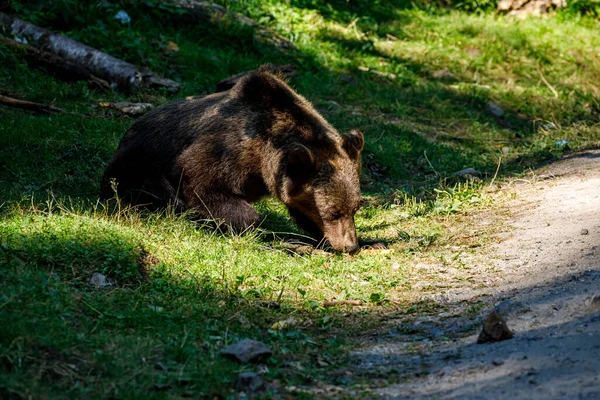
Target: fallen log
pixel 287 70
pixel 207 11
pixel 118 72
pixel 58 66
pixel 29 105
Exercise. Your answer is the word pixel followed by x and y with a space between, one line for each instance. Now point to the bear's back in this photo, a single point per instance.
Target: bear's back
pixel 166 131
pixel 260 105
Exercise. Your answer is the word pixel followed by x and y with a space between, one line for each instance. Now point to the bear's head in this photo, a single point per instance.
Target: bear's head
pixel 322 189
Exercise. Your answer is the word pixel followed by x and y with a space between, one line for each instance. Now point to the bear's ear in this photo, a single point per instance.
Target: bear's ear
pixel 300 164
pixel 262 88
pixel 254 88
pixel 353 143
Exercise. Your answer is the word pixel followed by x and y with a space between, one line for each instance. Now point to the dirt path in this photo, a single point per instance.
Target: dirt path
pixel 548 262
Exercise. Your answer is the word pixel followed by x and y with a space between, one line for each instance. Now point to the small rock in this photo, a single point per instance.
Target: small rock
pixel 444 75
pixel 584 231
pixel 495 109
pixel 467 173
pixel 249 382
pixel 497 362
pixel 287 323
pixel 511 307
pixel 123 17
pixel 494 329
pixel 98 280
pixel 156 308
pixel 246 351
pixel 595 302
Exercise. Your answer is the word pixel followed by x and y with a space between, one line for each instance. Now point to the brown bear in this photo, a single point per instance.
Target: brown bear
pixel 219 153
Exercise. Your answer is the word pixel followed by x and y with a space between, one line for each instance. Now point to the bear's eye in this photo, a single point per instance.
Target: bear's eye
pixel 335 215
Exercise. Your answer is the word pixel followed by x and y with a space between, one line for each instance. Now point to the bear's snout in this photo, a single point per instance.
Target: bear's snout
pixel 341 234
pixel 352 250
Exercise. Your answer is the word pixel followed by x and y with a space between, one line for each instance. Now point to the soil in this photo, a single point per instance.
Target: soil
pixel 546 267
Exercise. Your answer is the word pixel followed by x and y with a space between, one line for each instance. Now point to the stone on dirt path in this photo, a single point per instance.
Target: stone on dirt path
pixel 246 351
pixel 494 329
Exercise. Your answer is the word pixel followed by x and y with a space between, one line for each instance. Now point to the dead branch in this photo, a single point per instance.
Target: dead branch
pixel 127 108
pixel 118 72
pixel 208 11
pixel 333 303
pixel 30 106
pixel 287 70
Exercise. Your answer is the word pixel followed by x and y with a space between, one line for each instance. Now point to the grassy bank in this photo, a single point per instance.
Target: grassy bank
pixel 417 82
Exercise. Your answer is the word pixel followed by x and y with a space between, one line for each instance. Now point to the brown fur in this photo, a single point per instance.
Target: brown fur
pixel 219 153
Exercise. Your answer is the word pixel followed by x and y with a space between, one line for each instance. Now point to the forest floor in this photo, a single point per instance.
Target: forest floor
pixel 547 287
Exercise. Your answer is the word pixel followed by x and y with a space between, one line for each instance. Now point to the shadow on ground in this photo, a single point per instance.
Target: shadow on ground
pixel 551 356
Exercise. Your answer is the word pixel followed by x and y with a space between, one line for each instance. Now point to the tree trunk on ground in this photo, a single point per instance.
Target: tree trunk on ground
pixel 207 11
pixel 60 67
pixel 123 74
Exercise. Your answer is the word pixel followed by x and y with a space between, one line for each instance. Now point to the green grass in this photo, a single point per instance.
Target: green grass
pixel 181 292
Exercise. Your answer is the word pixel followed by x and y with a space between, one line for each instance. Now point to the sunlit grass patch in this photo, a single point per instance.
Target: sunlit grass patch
pixel 179 292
